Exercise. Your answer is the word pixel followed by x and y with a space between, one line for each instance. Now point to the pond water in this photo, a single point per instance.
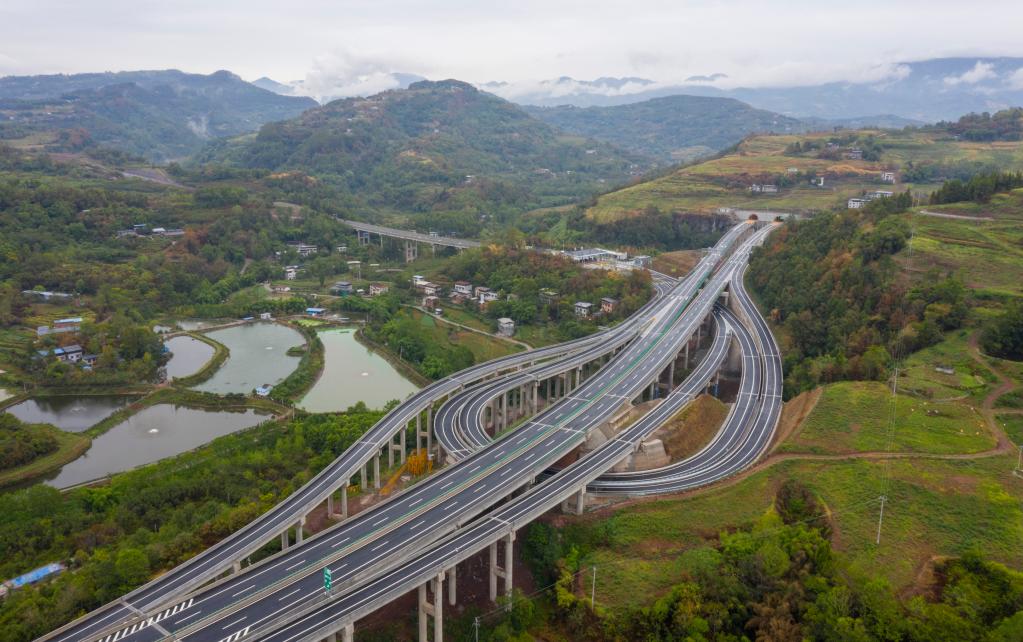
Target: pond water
pixel 353 373
pixel 73 413
pixel 258 356
pixel 188 355
pixel 152 434
pixel 5 395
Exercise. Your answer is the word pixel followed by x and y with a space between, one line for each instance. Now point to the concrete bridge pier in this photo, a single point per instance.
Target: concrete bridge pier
pixel 411 251
pixel 576 504
pixel 344 504
pixel 376 471
pixel 504 572
pixel 452 585
pixel 436 609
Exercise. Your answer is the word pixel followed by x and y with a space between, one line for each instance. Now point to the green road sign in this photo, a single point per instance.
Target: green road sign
pixel 326 579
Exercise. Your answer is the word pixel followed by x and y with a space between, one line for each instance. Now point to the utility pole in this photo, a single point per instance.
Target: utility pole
pixel 476 625
pixel 880 518
pixel 593 589
pixel 1019 464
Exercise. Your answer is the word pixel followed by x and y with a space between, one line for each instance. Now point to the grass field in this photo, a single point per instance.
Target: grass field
pixel 920 378
pixel 723 182
pixel 854 417
pixel 933 508
pixel 483 347
pixel 986 254
pixel 1013 426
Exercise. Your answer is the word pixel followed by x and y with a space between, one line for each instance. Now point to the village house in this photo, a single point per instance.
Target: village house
pixel 70 354
pixel 888 177
pixel 856 203
pixel 487 295
pixel 376 289
pixel 303 249
pixel 765 188
pixel 463 288
pixel 430 302
pixel 342 288
pixel 608 305
pixel 879 194
pixel 583 309
pixel 291 272
pixel 315 312
pixel 280 289
pixel 642 260
pixel 548 296
pixel 505 327
pixel 854 153
pixel 431 289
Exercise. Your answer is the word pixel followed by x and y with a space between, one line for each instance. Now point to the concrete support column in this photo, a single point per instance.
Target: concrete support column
pixel 347 633
pixel 494 572
pixel 402 448
pixel 344 502
pixel 236 566
pixel 364 480
pixel 578 376
pixel 436 609
pixel 653 390
pixel 284 540
pixel 451 585
pixel 508 565
pixel 504 410
pixel 429 428
pixel 376 471
pixel 419 431
pixel 298 530
pixel 671 375
pixel 390 453
pixel 685 363
pixel 536 393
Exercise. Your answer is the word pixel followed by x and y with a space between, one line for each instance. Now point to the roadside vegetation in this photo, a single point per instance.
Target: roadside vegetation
pixel 118 536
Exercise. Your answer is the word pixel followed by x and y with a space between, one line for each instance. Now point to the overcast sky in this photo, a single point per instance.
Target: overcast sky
pixel 754 42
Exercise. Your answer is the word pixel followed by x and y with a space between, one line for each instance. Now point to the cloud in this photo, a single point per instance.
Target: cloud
pixel 1015 79
pixel 981 71
pixel 342 74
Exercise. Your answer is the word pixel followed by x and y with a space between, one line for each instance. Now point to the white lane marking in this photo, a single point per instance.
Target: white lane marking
pixel 296 564
pixel 417 501
pixel 505 472
pixel 378 546
pixel 418 524
pixel 380 521
pixel 446 485
pixel 180 620
pixel 238 621
pixel 242 591
pixel 531 455
pixel 341 542
pixel 475 469
pixel 479 488
pixel 451 505
pixel 284 597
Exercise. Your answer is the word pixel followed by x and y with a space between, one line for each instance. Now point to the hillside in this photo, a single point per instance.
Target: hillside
pixel 437 146
pixel 162 115
pixel 919 158
pixel 674 128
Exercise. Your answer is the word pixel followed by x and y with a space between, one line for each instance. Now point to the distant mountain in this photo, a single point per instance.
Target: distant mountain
pixel 926 91
pixel 324 87
pixel 162 115
pixel 435 145
pixel 270 84
pixel 673 128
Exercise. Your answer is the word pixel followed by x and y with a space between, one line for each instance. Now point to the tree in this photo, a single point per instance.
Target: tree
pixel 132 566
pixel 1003 337
pixel 321 267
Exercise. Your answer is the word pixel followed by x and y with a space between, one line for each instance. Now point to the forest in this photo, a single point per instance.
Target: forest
pixel 830 282
pixel 116 537
pixel 778 578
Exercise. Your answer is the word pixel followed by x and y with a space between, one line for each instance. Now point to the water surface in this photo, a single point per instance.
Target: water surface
pixel 353 373
pixel 152 434
pixel 73 413
pixel 258 356
pixel 188 355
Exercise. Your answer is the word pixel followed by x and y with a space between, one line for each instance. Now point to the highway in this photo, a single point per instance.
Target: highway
pixel 159 593
pixel 450 498
pixel 734 454
pixel 409 235
pixel 435 506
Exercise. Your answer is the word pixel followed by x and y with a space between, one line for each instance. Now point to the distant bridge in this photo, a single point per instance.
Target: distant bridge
pixel 410 237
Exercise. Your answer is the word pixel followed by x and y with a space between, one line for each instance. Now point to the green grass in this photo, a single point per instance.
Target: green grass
pixel 934 508
pixel 1012 399
pixel 986 255
pixel 854 417
pixel 919 377
pixel 1013 426
pixel 482 347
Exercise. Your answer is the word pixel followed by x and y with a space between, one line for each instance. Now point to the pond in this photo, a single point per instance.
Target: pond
pixel 353 373
pixel 191 325
pixel 73 413
pixel 152 434
pixel 188 355
pixel 258 356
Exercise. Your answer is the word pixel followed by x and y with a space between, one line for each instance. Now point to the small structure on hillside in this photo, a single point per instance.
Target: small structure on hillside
pixel 583 309
pixel 505 327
